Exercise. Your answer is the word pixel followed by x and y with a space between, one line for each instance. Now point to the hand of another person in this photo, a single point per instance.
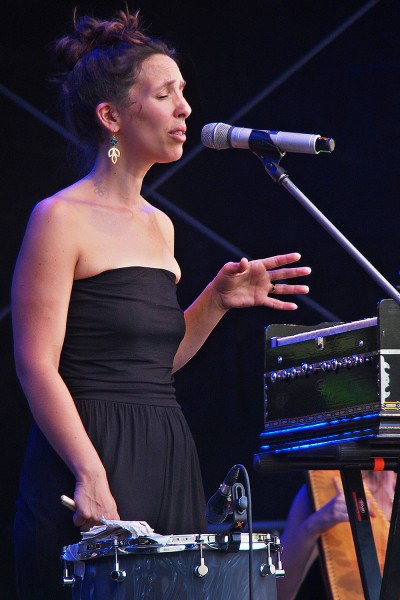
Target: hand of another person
pixel 251 283
pixel 334 511
pixel 93 501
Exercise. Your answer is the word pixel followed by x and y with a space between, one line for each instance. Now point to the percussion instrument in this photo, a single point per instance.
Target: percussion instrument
pixel 187 567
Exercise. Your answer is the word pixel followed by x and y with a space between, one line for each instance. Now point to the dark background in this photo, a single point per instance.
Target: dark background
pixel 320 66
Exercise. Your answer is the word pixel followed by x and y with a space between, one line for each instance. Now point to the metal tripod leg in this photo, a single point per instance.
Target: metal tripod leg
pixel 391 573
pixel 362 532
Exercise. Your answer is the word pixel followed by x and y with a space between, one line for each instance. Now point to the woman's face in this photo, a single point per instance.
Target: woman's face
pixel 153 125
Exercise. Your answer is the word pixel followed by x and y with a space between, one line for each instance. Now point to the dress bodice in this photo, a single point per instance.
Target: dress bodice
pixel 123 329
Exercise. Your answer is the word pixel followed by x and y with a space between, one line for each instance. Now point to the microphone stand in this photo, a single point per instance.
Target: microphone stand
pixel 374 586
pixel 280 175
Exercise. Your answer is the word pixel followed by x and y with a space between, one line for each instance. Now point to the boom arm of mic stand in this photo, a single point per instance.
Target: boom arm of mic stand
pixel 280 176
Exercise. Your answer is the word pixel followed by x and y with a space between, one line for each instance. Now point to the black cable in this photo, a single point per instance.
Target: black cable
pixel 250 527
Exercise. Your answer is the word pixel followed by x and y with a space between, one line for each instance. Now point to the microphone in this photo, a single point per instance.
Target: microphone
pixel 219 505
pixel 220 136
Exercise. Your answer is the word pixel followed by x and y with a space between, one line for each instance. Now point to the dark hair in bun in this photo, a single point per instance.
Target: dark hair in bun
pixel 99 62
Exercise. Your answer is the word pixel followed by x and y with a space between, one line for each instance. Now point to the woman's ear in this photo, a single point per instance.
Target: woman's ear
pixel 108 116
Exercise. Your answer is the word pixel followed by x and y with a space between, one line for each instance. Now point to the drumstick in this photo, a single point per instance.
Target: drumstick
pixel 71 504
pixel 68 502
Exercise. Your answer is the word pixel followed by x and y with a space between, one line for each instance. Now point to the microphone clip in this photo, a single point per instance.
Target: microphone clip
pixel 272 166
pixel 239 506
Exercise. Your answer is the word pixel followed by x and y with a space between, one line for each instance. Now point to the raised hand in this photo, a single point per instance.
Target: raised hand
pixel 251 283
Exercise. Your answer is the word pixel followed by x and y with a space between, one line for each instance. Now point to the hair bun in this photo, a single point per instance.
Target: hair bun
pixel 91 33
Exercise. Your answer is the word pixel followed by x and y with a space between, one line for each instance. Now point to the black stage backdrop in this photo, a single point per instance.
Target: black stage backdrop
pixel 316 66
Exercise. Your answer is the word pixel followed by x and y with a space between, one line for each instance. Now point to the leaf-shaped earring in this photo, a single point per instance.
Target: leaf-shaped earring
pixel 113 152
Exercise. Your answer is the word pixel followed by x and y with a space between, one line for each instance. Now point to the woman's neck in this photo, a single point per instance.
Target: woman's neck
pixel 116 183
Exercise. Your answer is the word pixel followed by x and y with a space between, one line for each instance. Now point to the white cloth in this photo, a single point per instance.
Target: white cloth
pixel 112 529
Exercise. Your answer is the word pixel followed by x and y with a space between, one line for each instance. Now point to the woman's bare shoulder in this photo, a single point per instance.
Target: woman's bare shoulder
pixel 164 221
pixel 61 209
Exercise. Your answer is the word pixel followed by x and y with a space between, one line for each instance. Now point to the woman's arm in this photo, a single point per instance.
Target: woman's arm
pixel 238 285
pixel 41 291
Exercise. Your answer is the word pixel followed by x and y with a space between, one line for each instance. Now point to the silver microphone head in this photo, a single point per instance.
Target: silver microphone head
pixel 215 136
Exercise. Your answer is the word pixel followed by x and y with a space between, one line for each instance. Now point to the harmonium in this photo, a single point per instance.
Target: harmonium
pixel 332 392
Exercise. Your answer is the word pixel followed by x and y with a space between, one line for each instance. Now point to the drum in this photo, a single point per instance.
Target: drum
pixel 188 567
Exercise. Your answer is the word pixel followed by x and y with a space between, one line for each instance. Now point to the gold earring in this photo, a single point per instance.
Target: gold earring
pixel 113 152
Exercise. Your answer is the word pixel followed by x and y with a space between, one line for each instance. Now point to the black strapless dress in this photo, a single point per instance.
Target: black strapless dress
pixel 123 329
